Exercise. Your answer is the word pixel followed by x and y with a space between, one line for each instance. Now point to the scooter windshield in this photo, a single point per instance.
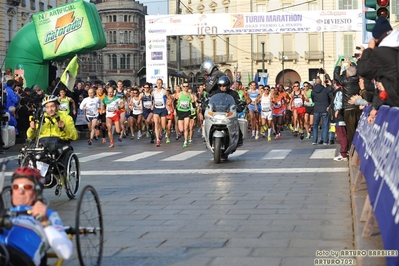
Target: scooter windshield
pixel 221 102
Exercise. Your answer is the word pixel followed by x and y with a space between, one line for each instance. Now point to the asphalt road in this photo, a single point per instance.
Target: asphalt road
pixel 271 203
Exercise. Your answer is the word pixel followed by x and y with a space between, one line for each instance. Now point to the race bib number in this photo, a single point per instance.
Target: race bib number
pixel 42 167
pixel 136 107
pixel 184 104
pixel 266 109
pixel 158 103
pixel 298 102
pixel 277 104
pixel 89 112
pixel 110 109
pixel 64 106
pixel 147 104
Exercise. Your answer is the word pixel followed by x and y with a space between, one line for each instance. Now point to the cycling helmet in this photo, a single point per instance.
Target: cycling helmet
pixel 33 175
pixel 49 98
pixel 225 80
pixel 207 67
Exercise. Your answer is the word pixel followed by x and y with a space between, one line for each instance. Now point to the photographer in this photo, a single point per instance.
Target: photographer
pixel 349 80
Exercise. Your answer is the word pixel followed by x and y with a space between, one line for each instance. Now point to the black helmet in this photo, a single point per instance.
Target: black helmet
pixel 225 80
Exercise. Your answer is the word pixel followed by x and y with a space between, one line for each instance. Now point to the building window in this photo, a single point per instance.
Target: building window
pixel 261 38
pixel 313 73
pixel 347 4
pixel 114 62
pixel 313 42
pixel 123 61
pixel 135 61
pixel 41 6
pixel 114 18
pixel 121 38
pixel 313 7
pixel 348 45
pixel 227 40
pixel 190 52
pixel 226 9
pixel 32 4
pixel 260 8
pixel 287 7
pixel 125 18
pixel 109 62
pixel 128 57
pixel 114 37
pixel 287 42
pixel 202 50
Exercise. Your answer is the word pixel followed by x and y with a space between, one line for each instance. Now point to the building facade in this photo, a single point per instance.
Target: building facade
pixel 288 57
pixel 124 26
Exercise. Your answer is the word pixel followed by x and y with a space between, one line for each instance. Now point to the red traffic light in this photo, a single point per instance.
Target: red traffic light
pixel 383 3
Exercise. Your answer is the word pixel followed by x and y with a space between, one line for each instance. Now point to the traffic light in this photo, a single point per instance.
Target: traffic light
pixel 381 8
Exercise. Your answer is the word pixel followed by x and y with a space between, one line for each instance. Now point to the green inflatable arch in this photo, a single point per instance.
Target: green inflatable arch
pixel 55 35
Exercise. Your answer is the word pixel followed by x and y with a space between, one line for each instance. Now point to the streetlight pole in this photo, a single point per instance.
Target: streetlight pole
pixel 263 58
pixel 282 62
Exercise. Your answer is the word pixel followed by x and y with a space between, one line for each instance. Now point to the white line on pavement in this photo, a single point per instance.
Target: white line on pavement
pixel 183 156
pixel 138 156
pixel 276 155
pixel 323 154
pixel 96 156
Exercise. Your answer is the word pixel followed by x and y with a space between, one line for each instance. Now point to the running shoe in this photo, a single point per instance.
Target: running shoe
pixel 296 134
pixel 269 138
pixel 95 137
pixel 132 137
pixel 185 144
pixel 89 142
pixel 302 136
pixel 158 143
pixel 340 158
pixel 120 139
pixel 291 128
pixel 256 136
pixel 124 135
pixel 190 141
pixel 112 144
pixel 178 136
pixel 104 141
pixel 308 136
pixel 138 135
pixel 167 140
pixel 147 134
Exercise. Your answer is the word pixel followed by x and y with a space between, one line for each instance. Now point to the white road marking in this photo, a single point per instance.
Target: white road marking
pixel 96 156
pixel 276 155
pixel 323 154
pixel 237 153
pixel 138 156
pixel 183 156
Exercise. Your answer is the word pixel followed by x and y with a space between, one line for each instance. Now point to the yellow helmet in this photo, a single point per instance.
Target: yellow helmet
pixel 49 98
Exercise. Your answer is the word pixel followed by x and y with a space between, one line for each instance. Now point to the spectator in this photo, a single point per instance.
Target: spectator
pixel 349 80
pixel 379 61
pixel 12 98
pixel 336 113
pixel 22 115
pixel 38 95
pixel 321 97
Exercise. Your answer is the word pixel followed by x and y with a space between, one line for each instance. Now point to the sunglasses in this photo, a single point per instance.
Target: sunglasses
pixel 146 87
pixel 185 86
pixel 22 186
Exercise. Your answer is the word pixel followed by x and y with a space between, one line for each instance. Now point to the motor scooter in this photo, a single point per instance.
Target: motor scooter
pixel 222 126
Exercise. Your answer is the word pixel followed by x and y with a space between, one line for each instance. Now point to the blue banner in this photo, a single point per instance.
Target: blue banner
pixel 378 148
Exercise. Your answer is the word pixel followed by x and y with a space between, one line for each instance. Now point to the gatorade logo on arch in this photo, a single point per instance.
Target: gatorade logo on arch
pixel 64 25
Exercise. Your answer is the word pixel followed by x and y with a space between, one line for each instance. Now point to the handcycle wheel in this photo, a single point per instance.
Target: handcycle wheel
pixel 89 228
pixel 4 255
pixel 71 174
pixel 29 160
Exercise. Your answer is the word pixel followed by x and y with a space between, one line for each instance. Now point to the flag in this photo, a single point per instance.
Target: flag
pixel 256 79
pixel 249 78
pixel 70 73
pixel 264 79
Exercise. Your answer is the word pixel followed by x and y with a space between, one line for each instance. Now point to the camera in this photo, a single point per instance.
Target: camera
pixel 357 47
pixel 321 71
pixel 356 55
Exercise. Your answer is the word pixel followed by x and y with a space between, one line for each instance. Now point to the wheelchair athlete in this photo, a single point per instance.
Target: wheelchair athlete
pixel 56 125
pixel 28 239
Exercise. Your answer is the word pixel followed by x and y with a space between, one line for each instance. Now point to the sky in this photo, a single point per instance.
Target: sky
pixel 155 7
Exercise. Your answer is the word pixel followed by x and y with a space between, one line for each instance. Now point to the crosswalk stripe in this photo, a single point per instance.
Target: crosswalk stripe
pixel 183 156
pixel 323 154
pixel 238 153
pixel 138 156
pixel 276 154
pixel 96 156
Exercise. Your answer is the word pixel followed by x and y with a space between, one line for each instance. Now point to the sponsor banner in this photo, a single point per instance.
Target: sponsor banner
pixel 244 23
pixel 156 59
pixel 378 149
pixel 63 29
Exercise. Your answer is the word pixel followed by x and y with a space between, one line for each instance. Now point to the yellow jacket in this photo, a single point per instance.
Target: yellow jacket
pixel 50 128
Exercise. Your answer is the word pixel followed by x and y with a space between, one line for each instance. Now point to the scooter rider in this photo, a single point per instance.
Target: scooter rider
pixel 224 84
pixel 208 67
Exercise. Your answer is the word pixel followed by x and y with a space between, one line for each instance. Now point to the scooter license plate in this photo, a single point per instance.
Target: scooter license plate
pixel 42 167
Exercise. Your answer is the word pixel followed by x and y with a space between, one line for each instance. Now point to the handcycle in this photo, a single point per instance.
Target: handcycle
pixel 54 158
pixel 59 165
pixel 88 230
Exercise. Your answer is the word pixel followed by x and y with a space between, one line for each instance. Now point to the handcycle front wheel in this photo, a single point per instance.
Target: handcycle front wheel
pixel 89 228
pixel 71 174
